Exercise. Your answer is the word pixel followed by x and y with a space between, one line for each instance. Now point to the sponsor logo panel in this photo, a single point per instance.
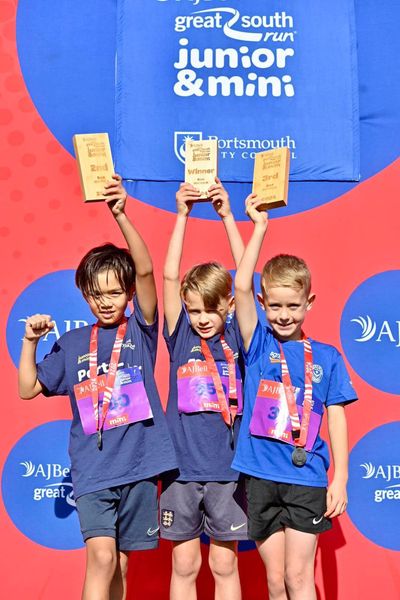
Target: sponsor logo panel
pixel 370 331
pixel 374 485
pixel 37 488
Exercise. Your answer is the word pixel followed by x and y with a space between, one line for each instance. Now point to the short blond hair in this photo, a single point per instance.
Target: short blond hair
pixel 211 280
pixel 286 270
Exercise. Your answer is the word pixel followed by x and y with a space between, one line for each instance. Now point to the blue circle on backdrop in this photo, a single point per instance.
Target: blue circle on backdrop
pixel 374 485
pixel 76 42
pixel 54 294
pixel 370 331
pixel 37 488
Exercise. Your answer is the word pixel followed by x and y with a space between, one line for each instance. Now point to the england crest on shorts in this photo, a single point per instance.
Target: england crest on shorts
pixel 167 517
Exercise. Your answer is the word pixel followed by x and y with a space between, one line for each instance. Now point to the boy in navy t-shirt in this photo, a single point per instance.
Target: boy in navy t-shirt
pixel 119 439
pixel 290 380
pixel 203 412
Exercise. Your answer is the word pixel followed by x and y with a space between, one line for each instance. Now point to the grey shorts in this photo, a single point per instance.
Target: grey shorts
pixel 190 508
pixel 127 513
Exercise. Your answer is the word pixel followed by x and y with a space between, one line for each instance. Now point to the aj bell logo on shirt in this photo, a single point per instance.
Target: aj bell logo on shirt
pixel 47 472
pixel 384 473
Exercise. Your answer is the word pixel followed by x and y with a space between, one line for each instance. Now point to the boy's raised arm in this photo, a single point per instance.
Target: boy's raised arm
pixel 35 327
pixel 146 292
pixel 220 201
pixel 246 312
pixel 171 275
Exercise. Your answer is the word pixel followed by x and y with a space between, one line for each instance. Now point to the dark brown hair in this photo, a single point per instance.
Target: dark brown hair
pixel 105 258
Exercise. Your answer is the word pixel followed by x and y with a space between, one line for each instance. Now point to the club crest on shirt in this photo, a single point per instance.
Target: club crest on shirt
pixel 274 357
pixel 129 344
pixel 318 373
pixel 195 349
pixel 167 517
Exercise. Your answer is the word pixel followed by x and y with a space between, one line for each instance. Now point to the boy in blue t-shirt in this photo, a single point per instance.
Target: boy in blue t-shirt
pixel 119 439
pixel 290 379
pixel 204 410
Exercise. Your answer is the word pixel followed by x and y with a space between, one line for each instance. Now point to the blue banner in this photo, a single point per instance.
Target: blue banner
pixel 255 75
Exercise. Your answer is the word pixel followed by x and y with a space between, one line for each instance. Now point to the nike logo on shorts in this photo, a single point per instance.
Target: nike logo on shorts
pixel 316 521
pixel 151 531
pixel 236 527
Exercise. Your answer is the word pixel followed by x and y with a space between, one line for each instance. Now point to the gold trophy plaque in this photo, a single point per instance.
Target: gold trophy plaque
pixel 271 177
pixel 201 159
pixel 95 163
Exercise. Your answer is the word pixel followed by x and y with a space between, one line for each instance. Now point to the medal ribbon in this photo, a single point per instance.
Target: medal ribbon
pixel 112 372
pixel 299 431
pixel 228 410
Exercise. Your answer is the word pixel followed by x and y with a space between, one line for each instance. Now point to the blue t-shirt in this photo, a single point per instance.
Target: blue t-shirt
pixel 132 452
pixel 272 459
pixel 202 440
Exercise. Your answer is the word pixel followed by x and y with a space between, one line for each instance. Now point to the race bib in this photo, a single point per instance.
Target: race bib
pixel 129 402
pixel 196 390
pixel 271 418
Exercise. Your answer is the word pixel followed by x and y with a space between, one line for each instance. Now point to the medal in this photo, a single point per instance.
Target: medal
pixel 99 439
pixel 299 457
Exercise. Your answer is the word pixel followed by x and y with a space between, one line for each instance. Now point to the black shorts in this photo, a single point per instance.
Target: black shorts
pixel 272 506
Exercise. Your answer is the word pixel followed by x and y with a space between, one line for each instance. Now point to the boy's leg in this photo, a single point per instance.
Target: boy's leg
pixel 300 551
pixel 101 561
pixel 225 523
pixel 272 552
pixel 186 563
pixel 304 519
pixel 182 522
pixel 118 583
pixel 223 563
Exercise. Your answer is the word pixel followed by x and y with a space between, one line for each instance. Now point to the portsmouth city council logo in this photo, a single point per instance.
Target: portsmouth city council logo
pixel 370 331
pixel 374 485
pixel 37 487
pixel 180 139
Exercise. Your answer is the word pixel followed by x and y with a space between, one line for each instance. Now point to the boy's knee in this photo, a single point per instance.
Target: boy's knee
pixel 295 578
pixel 276 584
pixel 187 566
pixel 102 558
pixel 222 566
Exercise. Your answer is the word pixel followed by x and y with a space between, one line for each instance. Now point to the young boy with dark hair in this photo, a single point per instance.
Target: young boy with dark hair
pixel 203 412
pixel 290 381
pixel 119 439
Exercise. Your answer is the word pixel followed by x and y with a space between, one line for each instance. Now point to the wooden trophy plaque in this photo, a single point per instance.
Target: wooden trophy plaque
pixel 271 177
pixel 93 154
pixel 201 163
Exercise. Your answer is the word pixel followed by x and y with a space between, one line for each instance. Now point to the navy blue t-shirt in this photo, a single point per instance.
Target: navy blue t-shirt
pixel 202 440
pixel 272 459
pixel 131 452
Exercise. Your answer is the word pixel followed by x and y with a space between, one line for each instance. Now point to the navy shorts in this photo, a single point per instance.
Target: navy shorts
pixel 190 508
pixel 127 513
pixel 272 506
